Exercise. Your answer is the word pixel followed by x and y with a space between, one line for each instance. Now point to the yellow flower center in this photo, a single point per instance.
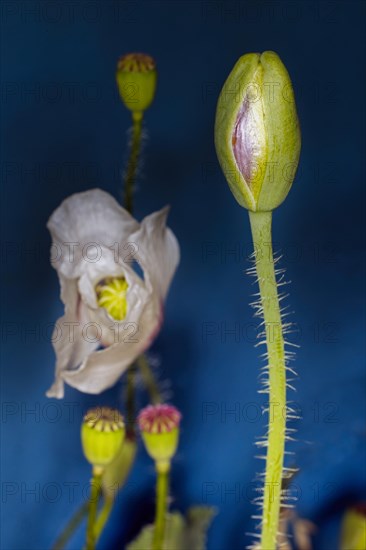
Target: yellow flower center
pixel 111 295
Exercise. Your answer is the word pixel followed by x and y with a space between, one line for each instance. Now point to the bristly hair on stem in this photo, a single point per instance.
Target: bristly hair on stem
pixel 129 178
pixel 136 139
pixel 267 306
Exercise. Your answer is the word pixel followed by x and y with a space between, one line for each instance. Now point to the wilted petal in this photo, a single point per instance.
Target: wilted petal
pixel 102 369
pixel 94 272
pixel 157 251
pixel 94 217
pixel 83 219
pixel 137 298
pixel 69 343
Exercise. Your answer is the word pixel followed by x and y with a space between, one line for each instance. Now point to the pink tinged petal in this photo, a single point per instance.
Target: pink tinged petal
pixel 157 251
pixel 68 341
pixel 83 219
pixel 156 331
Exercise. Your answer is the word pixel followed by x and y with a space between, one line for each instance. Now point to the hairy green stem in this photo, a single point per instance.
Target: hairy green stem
pixel 149 379
pixel 262 239
pixel 162 487
pixel 133 160
pixel 93 506
pixel 130 399
pixel 71 527
pixel 129 180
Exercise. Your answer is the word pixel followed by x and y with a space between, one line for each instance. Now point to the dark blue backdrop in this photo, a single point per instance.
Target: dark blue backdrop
pixel 64 130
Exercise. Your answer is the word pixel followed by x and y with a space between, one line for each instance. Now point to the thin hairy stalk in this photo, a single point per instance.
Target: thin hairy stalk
pixel 130 399
pixel 71 527
pixel 162 484
pixel 149 379
pixel 129 181
pixel 133 160
pixel 93 506
pixel 270 308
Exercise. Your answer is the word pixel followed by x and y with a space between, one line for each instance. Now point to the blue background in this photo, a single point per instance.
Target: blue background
pixel 64 130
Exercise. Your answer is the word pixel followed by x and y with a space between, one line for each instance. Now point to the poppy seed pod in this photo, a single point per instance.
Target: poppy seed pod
pixel 159 425
pixel 102 434
pixel 257 134
pixel 136 79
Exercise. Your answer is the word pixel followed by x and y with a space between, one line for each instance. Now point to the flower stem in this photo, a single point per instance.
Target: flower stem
pixel 103 516
pixel 71 527
pixel 262 239
pixel 129 181
pixel 149 379
pixel 133 160
pixel 130 399
pixel 93 505
pixel 162 484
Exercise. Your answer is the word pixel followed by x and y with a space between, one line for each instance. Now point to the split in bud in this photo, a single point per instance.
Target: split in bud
pixel 102 435
pixel 257 134
pixel 112 296
pixel 136 79
pixel 159 425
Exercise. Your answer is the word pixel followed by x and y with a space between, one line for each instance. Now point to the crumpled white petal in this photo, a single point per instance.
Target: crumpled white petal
pixel 157 250
pixel 95 217
pixel 68 341
pixel 137 297
pixel 84 223
pixel 103 368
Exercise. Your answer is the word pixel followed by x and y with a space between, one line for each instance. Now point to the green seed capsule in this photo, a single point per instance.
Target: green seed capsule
pixel 102 434
pixel 257 134
pixel 136 79
pixel 159 425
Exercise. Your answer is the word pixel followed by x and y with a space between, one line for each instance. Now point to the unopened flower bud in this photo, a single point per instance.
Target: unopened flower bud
pixel 159 425
pixel 102 434
pixel 136 79
pixel 257 134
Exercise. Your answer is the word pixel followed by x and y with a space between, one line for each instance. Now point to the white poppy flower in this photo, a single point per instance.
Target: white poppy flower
pixel 94 241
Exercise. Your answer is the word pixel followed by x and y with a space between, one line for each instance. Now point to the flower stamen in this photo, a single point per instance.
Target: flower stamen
pixel 112 296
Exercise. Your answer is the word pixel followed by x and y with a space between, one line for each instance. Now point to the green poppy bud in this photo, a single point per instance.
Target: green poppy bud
pixel 136 79
pixel 159 425
pixel 257 134
pixel 102 434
